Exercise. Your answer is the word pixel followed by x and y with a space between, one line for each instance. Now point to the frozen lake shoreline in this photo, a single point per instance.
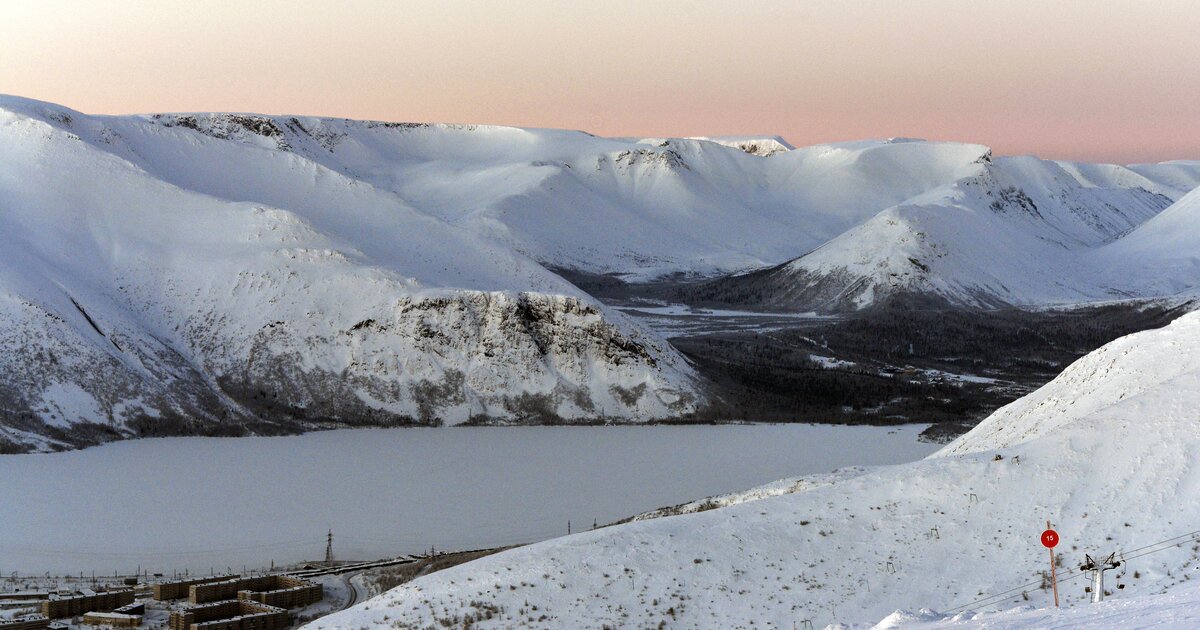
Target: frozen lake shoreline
pixel 175 503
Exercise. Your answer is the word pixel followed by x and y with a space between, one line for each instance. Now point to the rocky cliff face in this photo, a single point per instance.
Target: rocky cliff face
pixel 453 358
pixel 450 358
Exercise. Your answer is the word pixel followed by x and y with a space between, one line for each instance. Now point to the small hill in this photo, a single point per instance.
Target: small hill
pixel 1106 452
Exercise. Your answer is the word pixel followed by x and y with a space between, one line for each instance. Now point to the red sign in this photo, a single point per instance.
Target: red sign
pixel 1050 538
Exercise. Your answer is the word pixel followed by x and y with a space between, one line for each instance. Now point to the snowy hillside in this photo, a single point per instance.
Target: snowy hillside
pixel 175 278
pixel 1101 391
pixel 1013 231
pixel 1177 610
pixel 1106 452
pixel 1169 244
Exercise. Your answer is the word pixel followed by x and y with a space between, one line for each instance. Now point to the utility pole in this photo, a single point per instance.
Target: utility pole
pixel 1098 574
pixel 329 549
pixel 1050 541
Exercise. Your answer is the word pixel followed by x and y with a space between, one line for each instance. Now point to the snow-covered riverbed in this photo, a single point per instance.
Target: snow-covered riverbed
pixel 167 504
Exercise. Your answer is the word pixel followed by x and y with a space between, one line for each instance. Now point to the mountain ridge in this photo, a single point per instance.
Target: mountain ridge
pixel 228 266
pixel 1016 232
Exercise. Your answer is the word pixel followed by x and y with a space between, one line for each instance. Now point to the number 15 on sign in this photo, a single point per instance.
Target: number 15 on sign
pixel 1050 541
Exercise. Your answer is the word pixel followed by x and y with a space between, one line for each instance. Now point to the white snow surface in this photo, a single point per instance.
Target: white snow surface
pixel 1177 610
pixel 1169 244
pixel 211 270
pixel 764 146
pixel 1106 452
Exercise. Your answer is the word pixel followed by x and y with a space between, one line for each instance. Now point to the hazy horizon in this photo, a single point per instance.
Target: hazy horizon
pixel 1098 81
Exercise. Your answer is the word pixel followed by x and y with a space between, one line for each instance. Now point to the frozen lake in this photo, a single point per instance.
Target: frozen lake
pixel 196 503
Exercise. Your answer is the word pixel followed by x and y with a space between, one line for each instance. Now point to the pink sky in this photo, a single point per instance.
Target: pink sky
pixel 1097 79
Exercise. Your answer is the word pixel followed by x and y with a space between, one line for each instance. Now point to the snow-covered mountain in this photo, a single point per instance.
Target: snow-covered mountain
pixel 201 273
pixel 183 274
pixel 1106 452
pixel 691 206
pixel 1012 231
pixel 699 206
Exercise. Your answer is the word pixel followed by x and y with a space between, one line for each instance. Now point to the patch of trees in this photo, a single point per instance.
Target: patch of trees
pixel 882 356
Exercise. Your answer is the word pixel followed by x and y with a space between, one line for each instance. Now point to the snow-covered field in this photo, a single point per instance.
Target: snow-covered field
pixel 1106 452
pixel 202 502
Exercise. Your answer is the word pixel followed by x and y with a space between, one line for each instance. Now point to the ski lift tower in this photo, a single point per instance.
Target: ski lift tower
pixel 1098 570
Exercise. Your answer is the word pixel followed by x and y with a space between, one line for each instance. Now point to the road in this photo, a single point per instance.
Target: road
pixel 348 578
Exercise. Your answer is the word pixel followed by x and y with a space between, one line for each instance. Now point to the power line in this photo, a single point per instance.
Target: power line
pixel 1156 551
pixel 1187 535
pixel 1174 541
pixel 999 596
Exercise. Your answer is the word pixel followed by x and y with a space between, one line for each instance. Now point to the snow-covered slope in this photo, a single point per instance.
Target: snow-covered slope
pixel 1106 451
pixel 1100 392
pixel 197 278
pixel 1177 610
pixel 1013 231
pixel 1168 244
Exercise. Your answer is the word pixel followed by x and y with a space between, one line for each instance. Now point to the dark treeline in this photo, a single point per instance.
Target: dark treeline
pixel 770 376
pixel 1012 341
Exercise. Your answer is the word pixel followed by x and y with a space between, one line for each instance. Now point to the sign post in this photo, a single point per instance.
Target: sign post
pixel 1050 540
